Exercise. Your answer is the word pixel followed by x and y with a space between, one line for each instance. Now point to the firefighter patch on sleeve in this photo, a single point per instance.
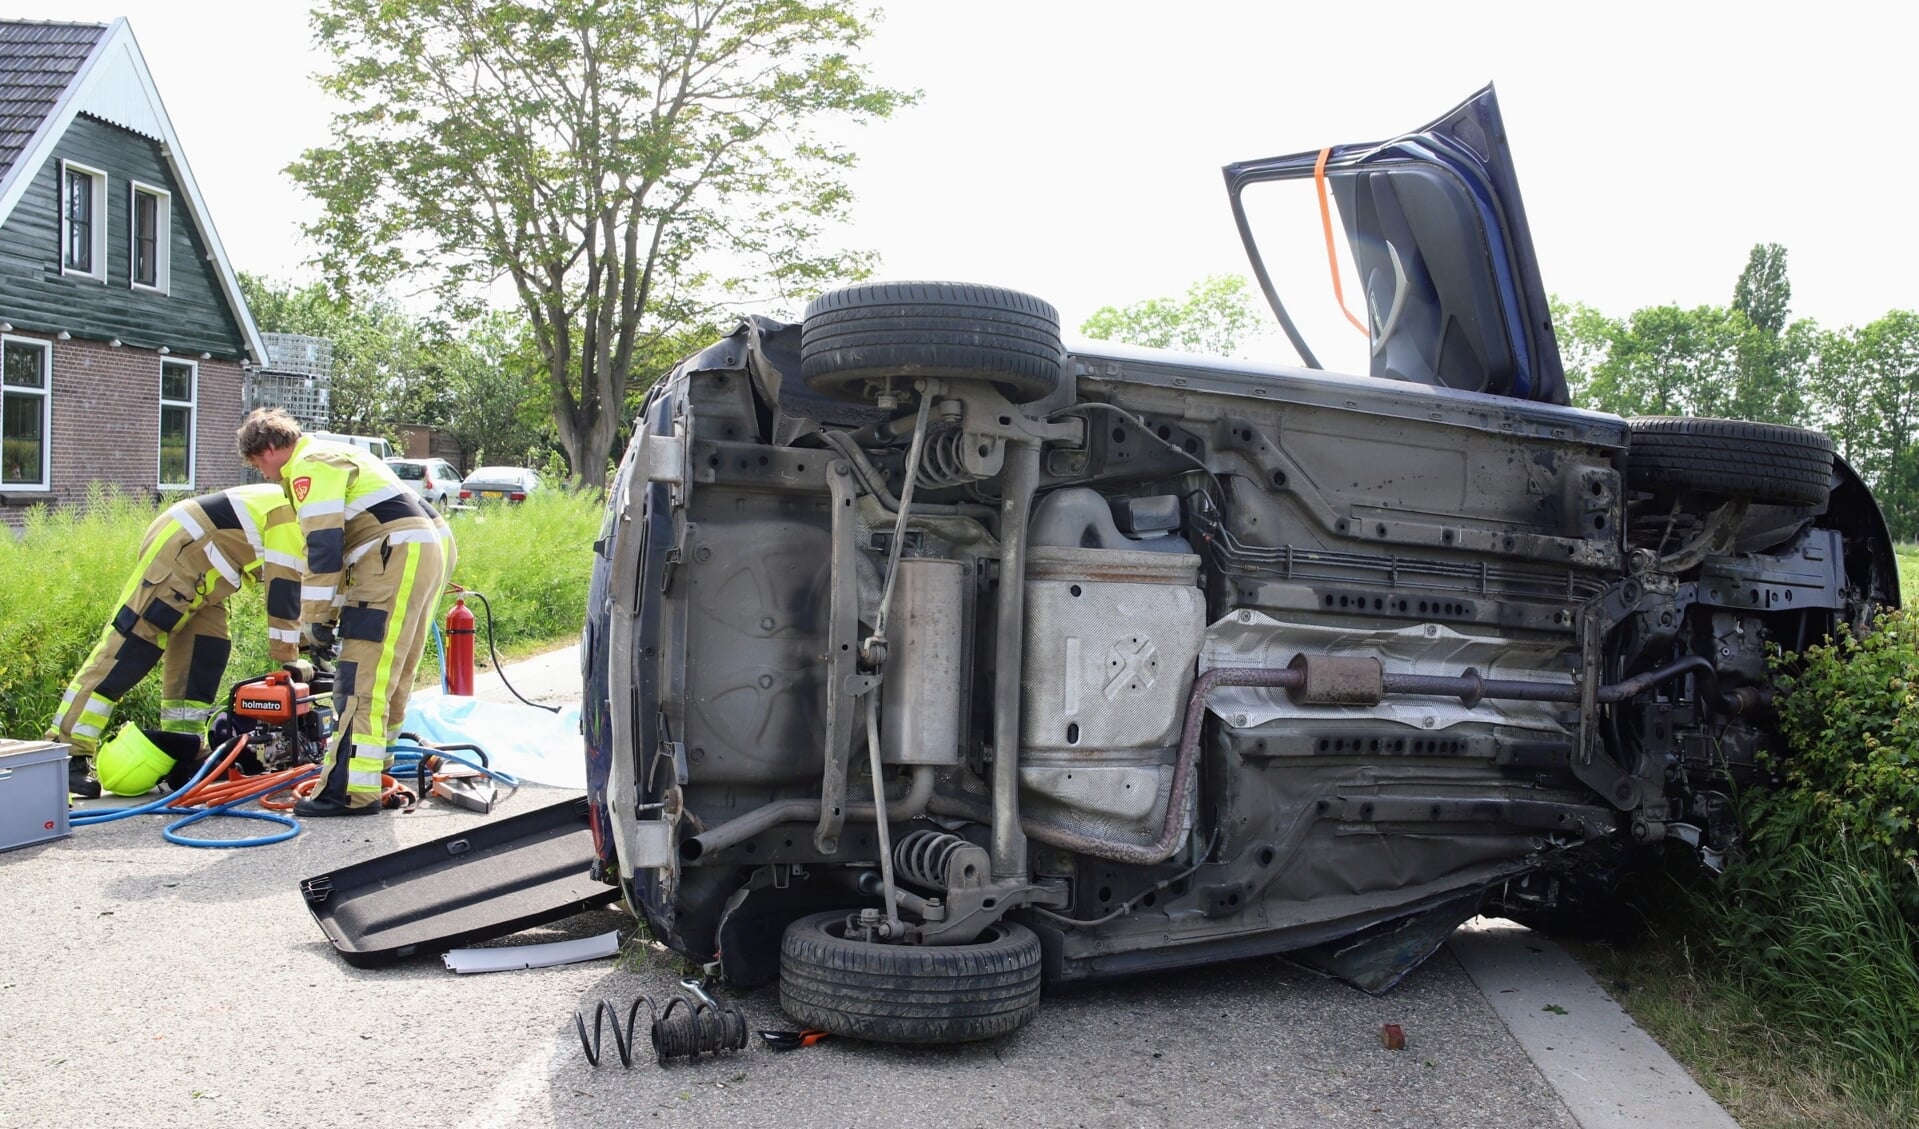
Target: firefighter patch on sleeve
pixel 301 485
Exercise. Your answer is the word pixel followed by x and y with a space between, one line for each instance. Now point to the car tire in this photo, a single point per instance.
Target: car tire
pixel 908 993
pixel 958 331
pixel 1764 462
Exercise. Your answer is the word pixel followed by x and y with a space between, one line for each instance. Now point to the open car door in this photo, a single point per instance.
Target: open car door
pixel 1438 236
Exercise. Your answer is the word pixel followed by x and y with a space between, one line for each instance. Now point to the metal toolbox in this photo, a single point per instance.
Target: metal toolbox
pixel 33 793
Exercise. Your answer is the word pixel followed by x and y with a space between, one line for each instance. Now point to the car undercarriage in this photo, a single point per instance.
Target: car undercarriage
pixel 930 660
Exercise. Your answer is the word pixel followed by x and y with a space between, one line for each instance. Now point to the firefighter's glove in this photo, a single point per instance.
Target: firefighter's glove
pixel 300 669
pixel 318 636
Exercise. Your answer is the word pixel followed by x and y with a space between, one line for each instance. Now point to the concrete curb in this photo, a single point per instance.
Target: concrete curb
pixel 1606 1069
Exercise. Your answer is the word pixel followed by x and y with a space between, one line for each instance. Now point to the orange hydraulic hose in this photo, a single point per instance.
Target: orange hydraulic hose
pixel 226 783
pixel 1326 224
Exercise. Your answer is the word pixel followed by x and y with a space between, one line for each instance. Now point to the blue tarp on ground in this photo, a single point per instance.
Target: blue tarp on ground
pixel 536 745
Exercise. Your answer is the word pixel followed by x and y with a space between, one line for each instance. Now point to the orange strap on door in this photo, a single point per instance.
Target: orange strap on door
pixel 1326 223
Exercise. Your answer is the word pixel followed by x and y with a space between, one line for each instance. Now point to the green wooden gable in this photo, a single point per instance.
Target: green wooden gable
pixel 81 95
pixel 191 317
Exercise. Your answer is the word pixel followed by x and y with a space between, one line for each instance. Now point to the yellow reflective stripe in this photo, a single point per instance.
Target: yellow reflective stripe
pixel 383 676
pixel 155 543
pixel 363 773
pixel 241 499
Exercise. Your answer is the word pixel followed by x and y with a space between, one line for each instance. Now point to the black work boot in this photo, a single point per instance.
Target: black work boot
pixel 80 779
pixel 182 771
pixel 319 805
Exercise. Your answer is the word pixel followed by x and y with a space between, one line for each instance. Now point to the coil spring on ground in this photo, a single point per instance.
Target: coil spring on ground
pixel 921 856
pixel 685 1029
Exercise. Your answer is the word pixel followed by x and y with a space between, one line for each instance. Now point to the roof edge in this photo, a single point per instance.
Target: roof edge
pixel 40 148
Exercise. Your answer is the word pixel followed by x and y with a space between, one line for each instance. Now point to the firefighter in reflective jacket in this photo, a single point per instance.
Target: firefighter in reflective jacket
pixel 377 557
pixel 195 555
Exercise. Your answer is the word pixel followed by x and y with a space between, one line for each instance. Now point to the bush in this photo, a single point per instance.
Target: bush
pixel 63 577
pixel 1818 923
pixel 1849 711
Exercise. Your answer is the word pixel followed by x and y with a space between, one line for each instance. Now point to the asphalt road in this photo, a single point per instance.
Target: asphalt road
pixel 149 984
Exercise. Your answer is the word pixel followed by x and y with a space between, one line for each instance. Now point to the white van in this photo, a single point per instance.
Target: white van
pixel 378 447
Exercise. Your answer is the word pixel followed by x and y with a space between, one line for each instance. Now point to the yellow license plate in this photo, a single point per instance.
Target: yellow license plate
pixel 492 494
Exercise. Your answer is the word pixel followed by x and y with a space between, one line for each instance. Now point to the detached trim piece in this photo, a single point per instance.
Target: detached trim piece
pixel 506 958
pixel 496 879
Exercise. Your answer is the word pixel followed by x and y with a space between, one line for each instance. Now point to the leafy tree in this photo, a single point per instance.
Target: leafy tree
pixel 1888 359
pixel 1665 361
pixel 620 163
pixel 1586 339
pixel 1214 316
pixel 498 411
pixel 1839 397
pixel 383 359
pixel 1763 293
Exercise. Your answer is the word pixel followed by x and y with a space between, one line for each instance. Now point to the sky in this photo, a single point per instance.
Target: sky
pixel 1073 149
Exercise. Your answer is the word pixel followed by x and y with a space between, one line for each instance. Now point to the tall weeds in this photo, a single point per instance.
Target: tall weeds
pixel 61 580
pixel 1818 924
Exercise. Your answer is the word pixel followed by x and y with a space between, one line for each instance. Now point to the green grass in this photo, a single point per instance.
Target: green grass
pixel 531 562
pixel 1908 573
pixel 61 580
pixel 1766 1077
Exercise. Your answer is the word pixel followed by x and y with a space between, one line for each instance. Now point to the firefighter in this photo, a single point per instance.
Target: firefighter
pixel 376 559
pixel 196 554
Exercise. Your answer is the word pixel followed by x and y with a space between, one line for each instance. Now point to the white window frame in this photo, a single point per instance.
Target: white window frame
pixel 99 271
pixel 46 413
pixel 192 404
pixel 163 233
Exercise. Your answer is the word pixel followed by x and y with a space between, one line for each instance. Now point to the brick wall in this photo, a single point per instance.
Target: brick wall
pixel 106 424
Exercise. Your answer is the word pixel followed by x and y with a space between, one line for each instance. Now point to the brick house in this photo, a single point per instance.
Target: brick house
pixel 123 331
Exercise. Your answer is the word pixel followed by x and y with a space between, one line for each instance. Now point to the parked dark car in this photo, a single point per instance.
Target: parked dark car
pixel 500 483
pixel 927 661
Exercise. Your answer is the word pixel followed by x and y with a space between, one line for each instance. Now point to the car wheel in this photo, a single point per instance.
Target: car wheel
pixel 1765 462
pixel 859 334
pixel 908 993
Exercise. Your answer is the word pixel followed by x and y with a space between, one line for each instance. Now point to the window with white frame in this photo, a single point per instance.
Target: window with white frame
pixel 151 215
pixel 179 392
pixel 83 221
pixel 26 412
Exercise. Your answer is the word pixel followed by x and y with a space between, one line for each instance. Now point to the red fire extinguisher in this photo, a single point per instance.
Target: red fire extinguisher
pixel 459 649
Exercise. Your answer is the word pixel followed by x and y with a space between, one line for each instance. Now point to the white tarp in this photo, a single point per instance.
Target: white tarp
pixel 538 746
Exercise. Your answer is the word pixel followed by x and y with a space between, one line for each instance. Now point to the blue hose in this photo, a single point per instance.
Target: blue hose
pixel 196 815
pixel 415 752
pixel 406 762
pixel 172 835
pixel 439 654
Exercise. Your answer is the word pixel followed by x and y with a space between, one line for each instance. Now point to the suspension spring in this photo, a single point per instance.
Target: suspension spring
pixel 921 856
pixel 686 1028
pixel 942 463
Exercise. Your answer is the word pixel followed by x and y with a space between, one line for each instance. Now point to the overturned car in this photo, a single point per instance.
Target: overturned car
pixel 928 660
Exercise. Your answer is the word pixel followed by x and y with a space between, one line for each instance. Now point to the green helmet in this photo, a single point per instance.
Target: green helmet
pixel 135 759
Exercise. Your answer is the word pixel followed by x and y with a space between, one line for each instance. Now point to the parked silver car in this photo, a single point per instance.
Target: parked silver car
pixel 500 484
pixel 927 661
pixel 432 479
